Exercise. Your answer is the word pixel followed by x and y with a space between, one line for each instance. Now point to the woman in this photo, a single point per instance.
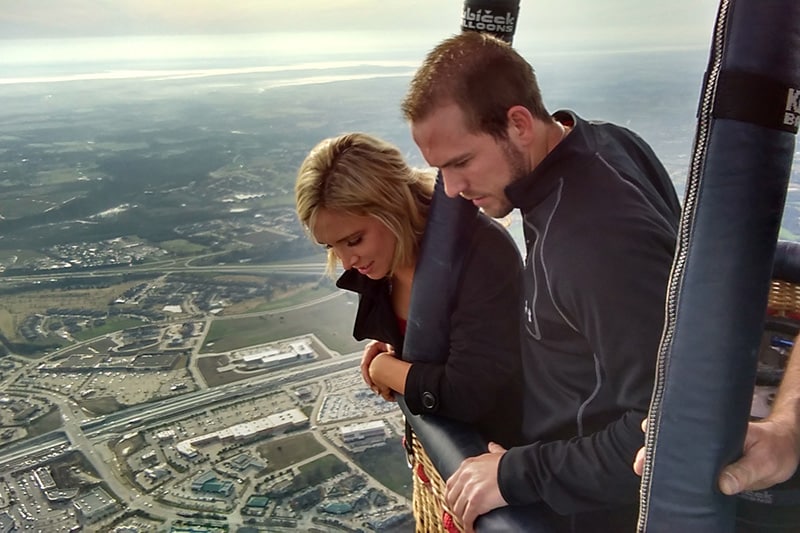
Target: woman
pixel 356 196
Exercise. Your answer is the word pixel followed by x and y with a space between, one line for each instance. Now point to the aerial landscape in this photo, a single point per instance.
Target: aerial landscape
pixel 173 355
pixel 153 271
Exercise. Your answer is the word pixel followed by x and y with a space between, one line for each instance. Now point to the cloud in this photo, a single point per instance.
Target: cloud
pixel 73 18
pixel 572 23
pixel 313 73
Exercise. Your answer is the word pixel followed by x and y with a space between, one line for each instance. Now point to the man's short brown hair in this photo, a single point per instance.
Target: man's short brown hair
pixel 481 74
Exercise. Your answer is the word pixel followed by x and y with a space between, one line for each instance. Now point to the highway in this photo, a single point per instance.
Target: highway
pixel 288 268
pixel 139 417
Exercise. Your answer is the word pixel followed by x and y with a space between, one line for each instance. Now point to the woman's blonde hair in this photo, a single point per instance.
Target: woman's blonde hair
pixel 361 175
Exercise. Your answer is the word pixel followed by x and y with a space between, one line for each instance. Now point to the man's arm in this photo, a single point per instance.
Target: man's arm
pixel 772 445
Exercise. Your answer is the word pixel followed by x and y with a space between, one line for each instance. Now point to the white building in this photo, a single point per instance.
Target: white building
pixel 364 434
pixel 268 425
pixel 271 357
pixel 167 434
pixel 95 505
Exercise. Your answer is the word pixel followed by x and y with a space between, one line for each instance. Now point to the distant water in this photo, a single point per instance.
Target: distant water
pixel 206 51
pixel 22 57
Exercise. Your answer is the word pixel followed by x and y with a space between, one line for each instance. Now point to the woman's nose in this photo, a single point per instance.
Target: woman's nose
pixel 349 260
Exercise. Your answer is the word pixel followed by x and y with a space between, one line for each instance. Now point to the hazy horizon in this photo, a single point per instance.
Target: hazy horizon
pixel 626 21
pixel 64 37
pixel 192 56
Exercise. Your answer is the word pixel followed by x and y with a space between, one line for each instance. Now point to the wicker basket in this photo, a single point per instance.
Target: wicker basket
pixel 430 510
pixel 784 299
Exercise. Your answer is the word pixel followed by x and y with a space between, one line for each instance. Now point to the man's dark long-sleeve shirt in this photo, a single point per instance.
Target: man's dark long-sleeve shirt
pixel 600 222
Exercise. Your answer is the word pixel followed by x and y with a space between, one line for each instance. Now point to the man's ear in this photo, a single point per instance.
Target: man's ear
pixel 520 124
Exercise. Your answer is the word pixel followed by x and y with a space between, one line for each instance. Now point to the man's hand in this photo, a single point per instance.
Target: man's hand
pixel 472 490
pixel 638 462
pixel 371 350
pixel 771 452
pixel 771 455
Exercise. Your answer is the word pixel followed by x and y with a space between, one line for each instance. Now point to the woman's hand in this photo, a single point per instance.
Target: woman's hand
pixel 371 351
pixel 388 374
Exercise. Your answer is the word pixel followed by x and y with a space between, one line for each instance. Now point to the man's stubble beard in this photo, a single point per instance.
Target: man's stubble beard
pixel 518 169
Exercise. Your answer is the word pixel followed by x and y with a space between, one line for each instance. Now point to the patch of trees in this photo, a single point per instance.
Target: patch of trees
pixel 179 466
pixel 148 314
pixel 267 253
pixel 75 312
pixel 132 291
pixel 29 327
pixel 204 280
pixel 93 282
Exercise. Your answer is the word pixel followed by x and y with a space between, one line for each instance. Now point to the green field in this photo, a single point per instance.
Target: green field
pixel 208 368
pixel 47 423
pixel 19 256
pixel 319 470
pixel 387 464
pixel 316 258
pixel 101 406
pixel 281 453
pixel 111 325
pixel 181 247
pixel 295 299
pixel 331 321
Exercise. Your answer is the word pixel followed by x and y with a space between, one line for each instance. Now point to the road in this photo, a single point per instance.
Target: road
pixel 288 268
pixel 142 416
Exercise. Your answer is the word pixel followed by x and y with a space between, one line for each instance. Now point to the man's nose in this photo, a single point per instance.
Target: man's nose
pixel 453 186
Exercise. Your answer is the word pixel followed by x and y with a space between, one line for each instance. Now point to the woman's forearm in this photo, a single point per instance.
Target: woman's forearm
pixel 388 371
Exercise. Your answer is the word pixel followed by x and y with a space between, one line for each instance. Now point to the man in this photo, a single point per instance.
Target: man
pixel 771 446
pixel 600 219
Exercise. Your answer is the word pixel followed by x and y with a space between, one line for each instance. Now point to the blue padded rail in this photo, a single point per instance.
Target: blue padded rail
pixel 787 262
pixel 448 442
pixel 717 294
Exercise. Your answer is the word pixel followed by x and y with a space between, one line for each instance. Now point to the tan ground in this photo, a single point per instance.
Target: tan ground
pixel 14 308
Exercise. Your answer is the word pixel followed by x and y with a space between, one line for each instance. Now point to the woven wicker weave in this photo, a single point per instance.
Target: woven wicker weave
pixel 784 298
pixel 430 510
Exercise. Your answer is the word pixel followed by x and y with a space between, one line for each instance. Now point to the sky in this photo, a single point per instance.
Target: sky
pixel 612 22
